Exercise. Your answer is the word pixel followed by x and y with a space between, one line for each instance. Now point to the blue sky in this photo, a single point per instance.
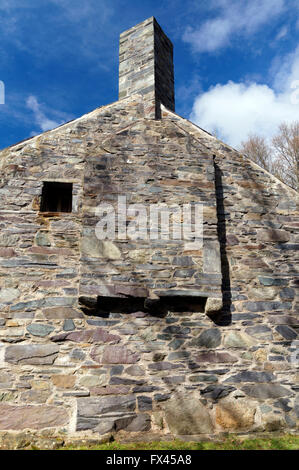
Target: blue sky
pixel 235 61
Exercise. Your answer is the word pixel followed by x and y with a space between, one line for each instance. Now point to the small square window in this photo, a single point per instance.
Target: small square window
pixel 56 197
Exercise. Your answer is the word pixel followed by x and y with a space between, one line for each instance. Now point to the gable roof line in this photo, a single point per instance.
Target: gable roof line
pixel 217 151
pixel 84 116
pixel 197 128
pixel 171 113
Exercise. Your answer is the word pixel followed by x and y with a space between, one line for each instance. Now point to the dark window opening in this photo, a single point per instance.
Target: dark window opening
pixel 103 306
pixel 56 197
pixel 184 303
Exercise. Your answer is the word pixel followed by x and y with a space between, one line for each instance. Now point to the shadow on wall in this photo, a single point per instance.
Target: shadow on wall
pixel 103 306
pixel 224 317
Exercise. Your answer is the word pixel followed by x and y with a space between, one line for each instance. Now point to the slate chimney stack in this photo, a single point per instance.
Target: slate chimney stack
pixel 146 66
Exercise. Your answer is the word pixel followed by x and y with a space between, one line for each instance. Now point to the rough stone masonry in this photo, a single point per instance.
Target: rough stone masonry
pixel 145 336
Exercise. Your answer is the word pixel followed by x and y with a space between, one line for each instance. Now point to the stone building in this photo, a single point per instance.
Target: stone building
pixel 151 335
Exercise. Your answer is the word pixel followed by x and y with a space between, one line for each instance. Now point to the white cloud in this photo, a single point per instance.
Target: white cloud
pixel 235 110
pixel 77 11
pixel 43 121
pixel 282 33
pixel 285 70
pixel 234 18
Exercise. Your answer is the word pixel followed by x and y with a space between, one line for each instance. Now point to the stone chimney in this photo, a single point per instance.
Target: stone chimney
pixel 146 66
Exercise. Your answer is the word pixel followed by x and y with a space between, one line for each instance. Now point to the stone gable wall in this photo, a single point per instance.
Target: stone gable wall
pixel 149 162
pixel 68 369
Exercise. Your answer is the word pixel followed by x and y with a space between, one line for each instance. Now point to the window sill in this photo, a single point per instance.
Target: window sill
pixel 56 214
